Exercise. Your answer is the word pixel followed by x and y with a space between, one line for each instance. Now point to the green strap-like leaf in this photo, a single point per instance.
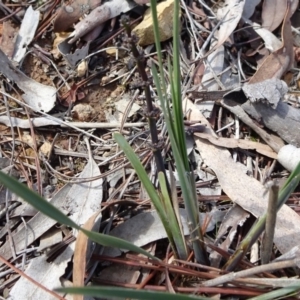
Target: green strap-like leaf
pixel 121 293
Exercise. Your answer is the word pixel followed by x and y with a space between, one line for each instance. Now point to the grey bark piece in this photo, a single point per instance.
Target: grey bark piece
pixel 284 120
pixel 232 106
pixel 269 91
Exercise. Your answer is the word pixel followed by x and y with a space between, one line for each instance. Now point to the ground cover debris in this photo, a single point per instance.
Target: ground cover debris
pixel 76 79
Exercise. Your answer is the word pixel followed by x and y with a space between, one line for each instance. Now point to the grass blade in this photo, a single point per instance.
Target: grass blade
pixel 279 294
pixel 122 293
pixel 154 196
pixel 190 200
pixel 178 237
pixel 142 174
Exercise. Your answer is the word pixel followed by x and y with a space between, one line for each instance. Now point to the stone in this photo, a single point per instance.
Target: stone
pixel 144 31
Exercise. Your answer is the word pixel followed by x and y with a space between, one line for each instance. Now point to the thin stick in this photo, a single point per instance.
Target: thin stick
pixel 250 272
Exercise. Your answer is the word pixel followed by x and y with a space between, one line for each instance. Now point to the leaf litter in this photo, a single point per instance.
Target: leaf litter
pixel 243 48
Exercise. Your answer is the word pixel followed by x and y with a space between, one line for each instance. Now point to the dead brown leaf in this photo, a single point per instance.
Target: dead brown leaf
pixel 198 75
pixel 8 35
pixel 281 60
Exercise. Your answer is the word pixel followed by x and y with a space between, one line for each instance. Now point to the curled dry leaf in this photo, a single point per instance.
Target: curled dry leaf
pixel 82 253
pixel 289 157
pixel 234 143
pixel 100 15
pixel 272 43
pixel 69 14
pixel 235 216
pixel 280 61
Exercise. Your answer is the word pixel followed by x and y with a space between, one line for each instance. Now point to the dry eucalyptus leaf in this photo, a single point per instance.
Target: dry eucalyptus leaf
pixel 236 216
pixel 45 273
pixel 230 14
pixel 272 43
pixel 25 123
pixel 65 48
pixel 249 193
pixel 85 198
pixel 121 274
pixel 273 141
pixel 213 67
pixel 26 34
pixel 50 238
pixel 273 12
pixel 40 97
pixel 284 120
pixel 145 228
pixel 280 61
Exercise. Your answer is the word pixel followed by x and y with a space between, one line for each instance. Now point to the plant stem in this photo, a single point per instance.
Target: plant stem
pixel 152 113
